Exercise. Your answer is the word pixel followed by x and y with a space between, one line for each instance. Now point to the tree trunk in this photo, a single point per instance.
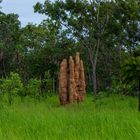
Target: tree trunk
pixel 94 67
pixel 94 79
pixel 93 61
pixel 139 95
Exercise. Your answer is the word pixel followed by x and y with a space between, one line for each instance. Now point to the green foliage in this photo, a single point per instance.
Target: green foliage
pixel 119 87
pixel 11 86
pixel 48 82
pixel 131 69
pixel 33 88
pixel 102 32
pixel 96 29
pixel 10 42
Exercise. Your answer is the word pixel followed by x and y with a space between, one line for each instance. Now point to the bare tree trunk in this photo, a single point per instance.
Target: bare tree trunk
pixel 93 61
pixel 94 68
pixel 94 79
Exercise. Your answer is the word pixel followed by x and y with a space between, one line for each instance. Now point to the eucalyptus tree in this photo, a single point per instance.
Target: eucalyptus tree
pixel 96 25
pixel 85 20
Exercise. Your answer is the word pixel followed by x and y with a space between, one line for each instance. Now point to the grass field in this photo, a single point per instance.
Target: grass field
pixel 110 118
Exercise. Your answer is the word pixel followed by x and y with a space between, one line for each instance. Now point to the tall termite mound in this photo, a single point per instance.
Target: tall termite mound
pixel 63 82
pixel 72 81
pixel 77 75
pixel 82 84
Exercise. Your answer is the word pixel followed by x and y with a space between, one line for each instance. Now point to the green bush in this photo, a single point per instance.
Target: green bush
pixel 33 88
pixel 47 84
pixel 11 86
pixel 122 88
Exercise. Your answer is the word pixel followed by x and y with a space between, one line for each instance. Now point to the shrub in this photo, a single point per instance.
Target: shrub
pixel 47 83
pixel 33 88
pixel 126 89
pixel 11 86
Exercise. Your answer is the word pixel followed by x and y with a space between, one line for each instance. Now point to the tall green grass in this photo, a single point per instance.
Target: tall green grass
pixel 110 118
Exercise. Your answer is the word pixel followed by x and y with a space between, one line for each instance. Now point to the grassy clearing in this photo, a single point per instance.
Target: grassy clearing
pixel 111 118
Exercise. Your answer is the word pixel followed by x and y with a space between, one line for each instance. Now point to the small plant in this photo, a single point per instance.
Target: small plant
pixel 1 89
pixel 48 82
pixel 11 86
pixel 126 89
pixel 33 88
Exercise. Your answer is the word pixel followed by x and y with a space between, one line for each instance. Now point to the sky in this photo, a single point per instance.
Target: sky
pixel 24 8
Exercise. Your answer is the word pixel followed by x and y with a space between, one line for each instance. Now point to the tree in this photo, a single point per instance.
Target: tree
pixel 86 22
pixel 9 43
pixel 41 43
pixel 131 72
pixel 97 26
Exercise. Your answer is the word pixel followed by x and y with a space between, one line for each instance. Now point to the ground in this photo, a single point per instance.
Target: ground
pixel 109 118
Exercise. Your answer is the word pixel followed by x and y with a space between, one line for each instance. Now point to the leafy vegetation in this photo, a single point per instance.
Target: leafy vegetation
pixel 105 33
pixel 11 86
pixel 107 36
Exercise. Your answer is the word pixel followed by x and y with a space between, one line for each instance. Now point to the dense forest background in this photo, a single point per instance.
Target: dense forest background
pixel 106 33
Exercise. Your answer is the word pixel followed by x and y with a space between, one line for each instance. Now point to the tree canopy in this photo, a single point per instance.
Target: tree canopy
pixel 105 33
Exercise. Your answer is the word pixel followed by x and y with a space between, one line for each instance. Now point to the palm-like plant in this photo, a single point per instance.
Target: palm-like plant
pixel 131 72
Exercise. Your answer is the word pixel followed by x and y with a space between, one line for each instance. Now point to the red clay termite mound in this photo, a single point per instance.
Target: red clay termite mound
pixel 71 81
pixel 63 82
pixel 77 75
pixel 82 84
